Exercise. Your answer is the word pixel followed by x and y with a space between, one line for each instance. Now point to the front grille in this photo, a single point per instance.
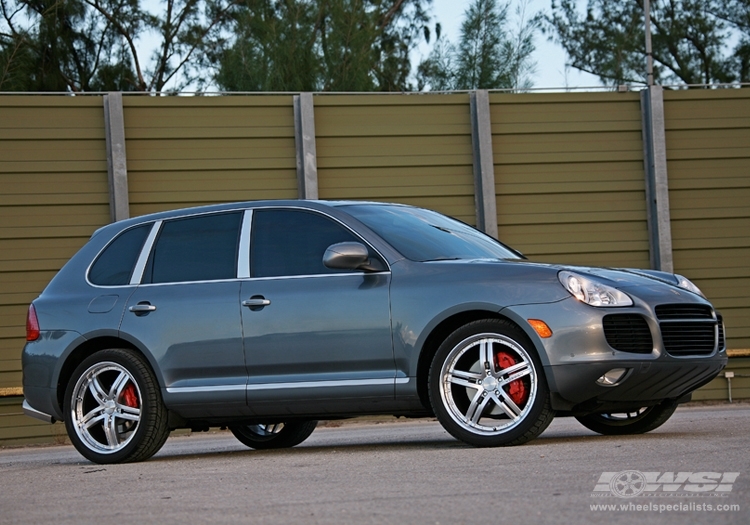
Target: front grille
pixel 688 329
pixel 720 320
pixel 628 333
pixel 666 312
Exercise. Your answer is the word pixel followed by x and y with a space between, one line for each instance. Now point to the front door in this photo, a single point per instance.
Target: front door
pixel 316 340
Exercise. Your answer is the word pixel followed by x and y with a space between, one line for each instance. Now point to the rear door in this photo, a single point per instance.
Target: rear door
pixel 186 313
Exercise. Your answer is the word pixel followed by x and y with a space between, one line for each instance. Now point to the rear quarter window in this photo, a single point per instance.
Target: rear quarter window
pixel 114 265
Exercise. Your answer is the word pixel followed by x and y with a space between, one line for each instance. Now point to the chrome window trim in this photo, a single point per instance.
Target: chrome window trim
pixel 140 265
pixel 316 276
pixel 282 386
pixel 243 257
pixel 244 247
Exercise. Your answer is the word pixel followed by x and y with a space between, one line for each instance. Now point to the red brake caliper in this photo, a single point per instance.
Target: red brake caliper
pixel 516 389
pixel 129 395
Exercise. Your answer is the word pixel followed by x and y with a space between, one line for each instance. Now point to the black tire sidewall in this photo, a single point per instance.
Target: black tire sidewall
pixel 293 433
pixel 149 399
pixel 540 413
pixel 651 420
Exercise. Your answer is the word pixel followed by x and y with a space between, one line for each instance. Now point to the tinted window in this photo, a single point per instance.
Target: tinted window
pixel 196 249
pixel 114 266
pixel 424 235
pixel 292 242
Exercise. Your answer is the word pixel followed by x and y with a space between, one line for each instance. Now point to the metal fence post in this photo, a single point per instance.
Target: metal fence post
pixel 657 189
pixel 117 166
pixel 304 138
pixel 484 169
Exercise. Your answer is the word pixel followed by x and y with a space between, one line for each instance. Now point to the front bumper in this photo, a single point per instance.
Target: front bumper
pixel 578 353
pixel 645 383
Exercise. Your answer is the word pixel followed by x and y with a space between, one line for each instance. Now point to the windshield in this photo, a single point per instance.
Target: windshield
pixel 424 235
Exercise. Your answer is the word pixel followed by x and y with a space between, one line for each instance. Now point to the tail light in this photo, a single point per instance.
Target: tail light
pixel 32 324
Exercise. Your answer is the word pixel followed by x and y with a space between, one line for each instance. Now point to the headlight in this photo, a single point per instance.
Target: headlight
pixel 591 292
pixel 684 282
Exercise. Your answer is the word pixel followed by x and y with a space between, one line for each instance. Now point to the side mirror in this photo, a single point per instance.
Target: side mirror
pixel 348 256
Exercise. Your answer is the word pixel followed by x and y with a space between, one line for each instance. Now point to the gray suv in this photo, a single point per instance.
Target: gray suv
pixel 268 316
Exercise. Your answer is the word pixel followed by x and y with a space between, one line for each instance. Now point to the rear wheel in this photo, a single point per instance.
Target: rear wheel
pixel 638 421
pixel 113 406
pixel 487 387
pixel 273 435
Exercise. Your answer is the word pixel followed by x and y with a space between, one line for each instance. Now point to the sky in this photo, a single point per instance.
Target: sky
pixel 549 57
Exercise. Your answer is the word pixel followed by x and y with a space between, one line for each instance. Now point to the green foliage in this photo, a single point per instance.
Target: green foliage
pixel 91 45
pixel 690 39
pixel 488 55
pixel 321 45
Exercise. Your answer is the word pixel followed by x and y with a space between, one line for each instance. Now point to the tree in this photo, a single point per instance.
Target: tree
pixel 92 45
pixel 488 54
pixel 689 39
pixel 323 45
pixel 737 14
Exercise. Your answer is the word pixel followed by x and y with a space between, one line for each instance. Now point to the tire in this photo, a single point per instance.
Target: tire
pixel 114 410
pixel 638 421
pixel 487 387
pixel 276 435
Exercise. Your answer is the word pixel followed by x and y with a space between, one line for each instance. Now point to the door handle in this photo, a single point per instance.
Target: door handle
pixel 142 308
pixel 256 301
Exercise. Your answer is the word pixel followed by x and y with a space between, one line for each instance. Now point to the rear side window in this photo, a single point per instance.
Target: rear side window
pixel 114 266
pixel 200 248
pixel 292 242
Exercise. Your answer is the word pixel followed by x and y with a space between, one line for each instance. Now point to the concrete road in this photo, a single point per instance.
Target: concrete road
pixel 401 473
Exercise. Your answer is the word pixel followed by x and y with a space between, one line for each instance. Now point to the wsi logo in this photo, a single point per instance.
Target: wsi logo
pixel 631 483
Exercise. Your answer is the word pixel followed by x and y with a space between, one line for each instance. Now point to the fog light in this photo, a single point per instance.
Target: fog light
pixel 612 377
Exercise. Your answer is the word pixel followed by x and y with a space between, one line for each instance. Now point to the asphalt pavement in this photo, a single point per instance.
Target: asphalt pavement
pixel 694 469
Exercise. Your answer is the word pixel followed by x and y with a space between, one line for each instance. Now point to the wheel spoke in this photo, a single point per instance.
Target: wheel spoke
pixel 130 416
pixel 110 430
pixel 477 406
pixel 465 374
pixel 128 409
pixel 465 379
pixel 93 421
pixel 97 391
pixel 513 373
pixel 84 421
pixel 486 356
pixel 118 385
pixel 507 405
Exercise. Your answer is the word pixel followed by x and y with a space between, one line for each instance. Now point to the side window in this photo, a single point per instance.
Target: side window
pixel 200 248
pixel 114 266
pixel 292 242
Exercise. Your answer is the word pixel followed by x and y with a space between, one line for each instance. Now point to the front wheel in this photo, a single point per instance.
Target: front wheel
pixel 487 387
pixel 113 408
pixel 273 435
pixel 638 421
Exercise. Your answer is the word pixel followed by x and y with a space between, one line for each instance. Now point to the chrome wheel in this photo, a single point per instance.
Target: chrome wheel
pixel 488 384
pixel 106 408
pixel 114 410
pixel 487 387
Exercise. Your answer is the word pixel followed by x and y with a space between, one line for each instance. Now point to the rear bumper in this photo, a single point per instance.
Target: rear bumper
pixel 36 414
